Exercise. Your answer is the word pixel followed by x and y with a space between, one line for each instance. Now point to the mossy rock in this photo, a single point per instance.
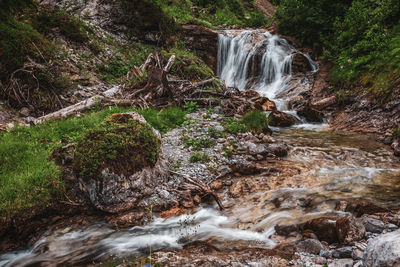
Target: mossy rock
pixel 124 144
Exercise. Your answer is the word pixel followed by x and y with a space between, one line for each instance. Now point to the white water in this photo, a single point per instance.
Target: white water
pixel 99 240
pixel 239 53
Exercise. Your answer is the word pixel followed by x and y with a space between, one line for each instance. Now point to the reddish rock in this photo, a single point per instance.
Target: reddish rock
pixel 349 229
pixel 268 105
pixel 359 208
pixel 216 185
pixel 173 212
pixel 281 119
pixel 324 228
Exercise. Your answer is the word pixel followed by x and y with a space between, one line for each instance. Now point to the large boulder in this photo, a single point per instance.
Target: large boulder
pixel 383 251
pixel 281 119
pixel 310 114
pixel 118 164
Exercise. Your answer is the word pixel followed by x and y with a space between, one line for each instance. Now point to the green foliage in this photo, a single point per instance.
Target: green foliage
pixel 165 120
pixel 187 65
pixel 199 157
pixel 362 37
pixel 216 13
pixel 30 179
pixel 214 133
pixel 198 143
pixel 256 20
pixel 71 27
pixel 256 121
pixel 396 132
pixel 121 144
pixel 233 126
pixel 191 107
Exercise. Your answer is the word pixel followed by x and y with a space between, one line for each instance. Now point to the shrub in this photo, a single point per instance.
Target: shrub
pixel 199 157
pixel 198 143
pixel 233 126
pixel 165 120
pixel 256 121
pixel 191 107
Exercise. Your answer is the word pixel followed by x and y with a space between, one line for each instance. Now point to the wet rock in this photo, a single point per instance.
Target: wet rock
pixel 383 251
pixel 173 212
pixel 258 149
pixel 285 230
pixel 281 119
pixel 311 246
pixel 324 228
pixel 128 219
pixel 279 150
pixel 268 105
pixel 349 229
pixel 300 63
pixel 310 114
pixel 359 208
pixel 344 252
pixel 373 225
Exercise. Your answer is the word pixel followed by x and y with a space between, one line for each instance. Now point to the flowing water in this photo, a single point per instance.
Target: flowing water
pixel 325 167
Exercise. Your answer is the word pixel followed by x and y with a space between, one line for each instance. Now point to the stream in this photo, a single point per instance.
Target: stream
pixel 330 166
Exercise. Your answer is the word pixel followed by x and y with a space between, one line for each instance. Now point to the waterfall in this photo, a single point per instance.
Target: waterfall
pixel 255 60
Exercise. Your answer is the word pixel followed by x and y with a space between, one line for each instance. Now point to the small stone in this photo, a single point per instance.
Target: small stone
pixel 29 119
pixel 357 254
pixel 218 110
pixel 214 116
pixel 24 112
pixel 260 157
pixel 216 185
pixel 261 135
pixel 10 125
pixel 320 260
pixel 326 254
pixel 311 246
pixel 344 252
pixel 392 227
pixel 219 128
pixel 341 263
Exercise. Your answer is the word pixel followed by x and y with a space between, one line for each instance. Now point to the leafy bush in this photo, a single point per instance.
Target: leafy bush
pixel 199 157
pixel 233 126
pixel 256 121
pixel 165 120
pixel 191 107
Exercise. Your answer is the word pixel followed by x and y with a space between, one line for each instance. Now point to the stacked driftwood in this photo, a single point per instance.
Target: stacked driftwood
pixel 161 89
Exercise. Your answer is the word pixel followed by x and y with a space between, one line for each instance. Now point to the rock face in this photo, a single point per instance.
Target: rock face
pixel 203 41
pixel 119 164
pixel 383 251
pixel 281 119
pixel 300 63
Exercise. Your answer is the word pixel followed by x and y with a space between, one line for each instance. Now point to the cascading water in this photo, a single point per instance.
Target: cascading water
pixel 256 60
pixel 329 167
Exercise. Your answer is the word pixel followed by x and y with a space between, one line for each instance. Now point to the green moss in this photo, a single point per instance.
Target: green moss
pixel 69 26
pixel 198 143
pixel 122 144
pixel 29 177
